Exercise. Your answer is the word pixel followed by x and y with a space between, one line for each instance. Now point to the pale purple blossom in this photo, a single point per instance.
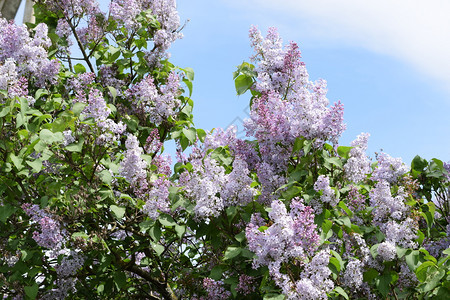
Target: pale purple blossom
pixel 133 167
pixel 387 250
pixel 215 289
pixel 322 184
pixel 389 169
pixel 358 165
pixel 29 53
pixel 385 205
pixel 160 106
pixel 50 235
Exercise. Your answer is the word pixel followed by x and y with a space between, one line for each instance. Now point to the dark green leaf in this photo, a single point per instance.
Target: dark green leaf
pixel 6 211
pixel 118 211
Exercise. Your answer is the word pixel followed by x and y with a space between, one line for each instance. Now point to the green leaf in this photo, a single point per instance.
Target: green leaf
pixel 17 161
pixel 113 92
pixel 344 151
pixel 418 163
pixel 180 230
pixel 158 248
pixel 190 134
pixel 5 111
pixel 201 135
pixel 383 283
pixel 421 271
pixel 232 251
pixel 345 208
pixel 118 211
pixel 155 232
pixel 341 292
pixel 166 220
pixel 412 259
pixel 120 279
pixel 79 68
pixel 76 147
pixel 339 258
pixel 273 296
pixel 189 73
pixel 240 237
pixel 47 136
pixel 35 164
pixel 242 83
pixel 39 93
pixel 106 177
pixel 146 225
pixel 78 107
pixel 6 211
pixel 31 291
pixel 433 280
pixel 216 273
pixel 370 275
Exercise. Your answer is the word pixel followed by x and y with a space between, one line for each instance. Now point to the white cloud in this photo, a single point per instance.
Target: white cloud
pixel 415 31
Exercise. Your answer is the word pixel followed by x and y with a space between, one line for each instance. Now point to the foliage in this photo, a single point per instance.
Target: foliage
pixel 90 207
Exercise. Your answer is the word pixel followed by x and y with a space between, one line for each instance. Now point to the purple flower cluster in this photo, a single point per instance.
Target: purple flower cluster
pixel 203 185
pixel 385 205
pixel 125 12
pixel 292 235
pixel 29 53
pixel 290 106
pixel 353 274
pixel 314 282
pixel 133 167
pixel 215 289
pixel 158 105
pixel 158 198
pixel 50 235
pixel 358 165
pixel 70 264
pixel 246 285
pixel 389 169
pixel 237 190
pixel 393 218
pixel 99 111
pixel 323 185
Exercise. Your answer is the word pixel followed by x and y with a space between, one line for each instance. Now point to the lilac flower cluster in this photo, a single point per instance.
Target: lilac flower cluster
pixel 158 105
pixel 69 264
pixel 389 169
pixel 50 235
pixel 158 197
pixel 29 53
pixel 386 206
pixel 126 11
pixel 358 165
pixel 314 282
pixel 73 8
pixel 292 235
pixel 132 167
pixel 246 285
pixel 97 109
pixel 323 185
pixel 237 190
pixel 215 289
pixel 353 274
pixel 290 105
pixel 203 185
pixel 212 190
pixel 393 218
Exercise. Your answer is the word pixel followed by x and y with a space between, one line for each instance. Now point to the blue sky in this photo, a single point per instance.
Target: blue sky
pixel 387 61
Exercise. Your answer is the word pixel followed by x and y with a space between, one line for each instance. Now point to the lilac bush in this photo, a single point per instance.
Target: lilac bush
pixel 92 208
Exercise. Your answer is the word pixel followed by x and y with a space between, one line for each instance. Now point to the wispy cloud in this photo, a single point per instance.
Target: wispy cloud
pixel 415 31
